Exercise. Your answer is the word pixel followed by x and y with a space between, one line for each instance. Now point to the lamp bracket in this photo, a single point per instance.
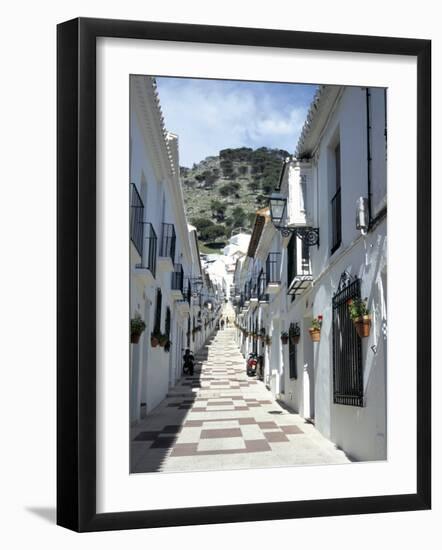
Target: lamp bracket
pixel 309 235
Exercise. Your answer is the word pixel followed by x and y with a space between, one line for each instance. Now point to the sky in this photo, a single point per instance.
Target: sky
pixel 209 115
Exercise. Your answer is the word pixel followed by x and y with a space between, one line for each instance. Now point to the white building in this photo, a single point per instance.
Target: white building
pixel 221 267
pixel 336 183
pixel 167 280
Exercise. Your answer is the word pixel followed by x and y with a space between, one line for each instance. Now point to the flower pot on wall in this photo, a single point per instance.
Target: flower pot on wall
pixel 284 340
pixel 295 338
pixel 154 341
pixel 135 337
pixel 363 326
pixel 315 334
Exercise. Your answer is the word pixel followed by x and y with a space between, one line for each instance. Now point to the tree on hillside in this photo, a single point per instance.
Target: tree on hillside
pixel 207 230
pixel 218 209
pixel 238 217
pixel 229 189
pixel 214 232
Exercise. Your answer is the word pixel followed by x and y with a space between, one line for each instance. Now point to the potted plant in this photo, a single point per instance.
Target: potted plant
pixel 315 329
pixel 268 340
pixel 295 333
pixel 155 338
pixel 137 326
pixel 360 316
pixel 163 339
pixel 284 337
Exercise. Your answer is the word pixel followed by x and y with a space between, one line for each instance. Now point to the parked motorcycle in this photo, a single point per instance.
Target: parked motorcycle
pixel 251 364
pixel 188 362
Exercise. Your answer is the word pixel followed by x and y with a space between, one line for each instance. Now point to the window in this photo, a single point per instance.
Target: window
pixel 336 222
pixel 158 306
pixel 347 356
pixel 298 266
pixel 167 323
pixel 293 368
pixel 136 219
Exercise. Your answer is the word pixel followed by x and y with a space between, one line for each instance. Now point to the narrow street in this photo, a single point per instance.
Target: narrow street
pixel 221 418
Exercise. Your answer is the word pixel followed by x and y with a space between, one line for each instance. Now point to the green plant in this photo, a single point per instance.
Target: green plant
pixel 284 335
pixel 137 325
pixel 317 322
pixel 163 339
pixel 357 307
pixel 295 330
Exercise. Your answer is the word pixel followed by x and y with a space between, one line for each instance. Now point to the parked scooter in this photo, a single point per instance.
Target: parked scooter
pixel 188 362
pixel 251 364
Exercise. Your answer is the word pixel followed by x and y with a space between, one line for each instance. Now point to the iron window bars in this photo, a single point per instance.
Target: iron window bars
pixel 168 241
pixel 136 219
pixel 273 268
pixel 177 282
pixel 293 367
pixel 262 283
pixel 149 252
pixel 299 273
pixel 348 388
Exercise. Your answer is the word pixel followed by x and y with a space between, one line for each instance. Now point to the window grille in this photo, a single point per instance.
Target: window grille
pixel 347 356
pixel 158 306
pixel 136 219
pixel 293 367
pixel 167 323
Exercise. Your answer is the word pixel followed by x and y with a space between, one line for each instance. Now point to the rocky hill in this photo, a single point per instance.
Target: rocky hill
pixel 223 192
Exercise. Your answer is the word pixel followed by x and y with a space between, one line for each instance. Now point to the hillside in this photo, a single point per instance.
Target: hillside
pixel 223 192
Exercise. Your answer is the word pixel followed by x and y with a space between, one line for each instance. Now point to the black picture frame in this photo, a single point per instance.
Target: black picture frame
pixel 76 273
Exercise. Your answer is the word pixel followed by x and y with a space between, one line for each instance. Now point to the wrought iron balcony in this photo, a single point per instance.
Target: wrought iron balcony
pixel 177 281
pixel 299 273
pixel 136 219
pixel 273 268
pixel 263 297
pixel 168 241
pixel 148 249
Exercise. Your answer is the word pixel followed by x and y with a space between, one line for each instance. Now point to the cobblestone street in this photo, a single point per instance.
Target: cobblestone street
pixel 220 418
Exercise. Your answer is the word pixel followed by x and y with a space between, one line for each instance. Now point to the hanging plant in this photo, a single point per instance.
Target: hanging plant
pixel 137 327
pixel 315 329
pixel 155 338
pixel 294 333
pixel 163 339
pixel 360 316
pixel 284 338
pixel 268 340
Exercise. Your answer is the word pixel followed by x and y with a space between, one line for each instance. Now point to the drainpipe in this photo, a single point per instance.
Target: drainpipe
pixel 368 105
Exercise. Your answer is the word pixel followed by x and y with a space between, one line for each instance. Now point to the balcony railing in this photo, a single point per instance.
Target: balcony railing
pixel 273 268
pixel 299 273
pixel 178 278
pixel 336 220
pixel 136 219
pixel 168 241
pixel 149 249
pixel 262 283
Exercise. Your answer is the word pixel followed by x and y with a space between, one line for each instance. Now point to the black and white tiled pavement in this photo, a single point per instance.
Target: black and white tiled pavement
pixel 219 418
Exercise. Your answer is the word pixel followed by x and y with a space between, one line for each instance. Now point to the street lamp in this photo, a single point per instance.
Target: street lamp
pixel 278 206
pixel 197 286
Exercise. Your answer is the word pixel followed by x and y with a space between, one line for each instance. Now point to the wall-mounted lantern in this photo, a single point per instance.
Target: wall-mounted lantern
pixel 278 207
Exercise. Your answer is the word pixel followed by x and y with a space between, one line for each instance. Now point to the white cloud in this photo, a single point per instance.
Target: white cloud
pixel 209 116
